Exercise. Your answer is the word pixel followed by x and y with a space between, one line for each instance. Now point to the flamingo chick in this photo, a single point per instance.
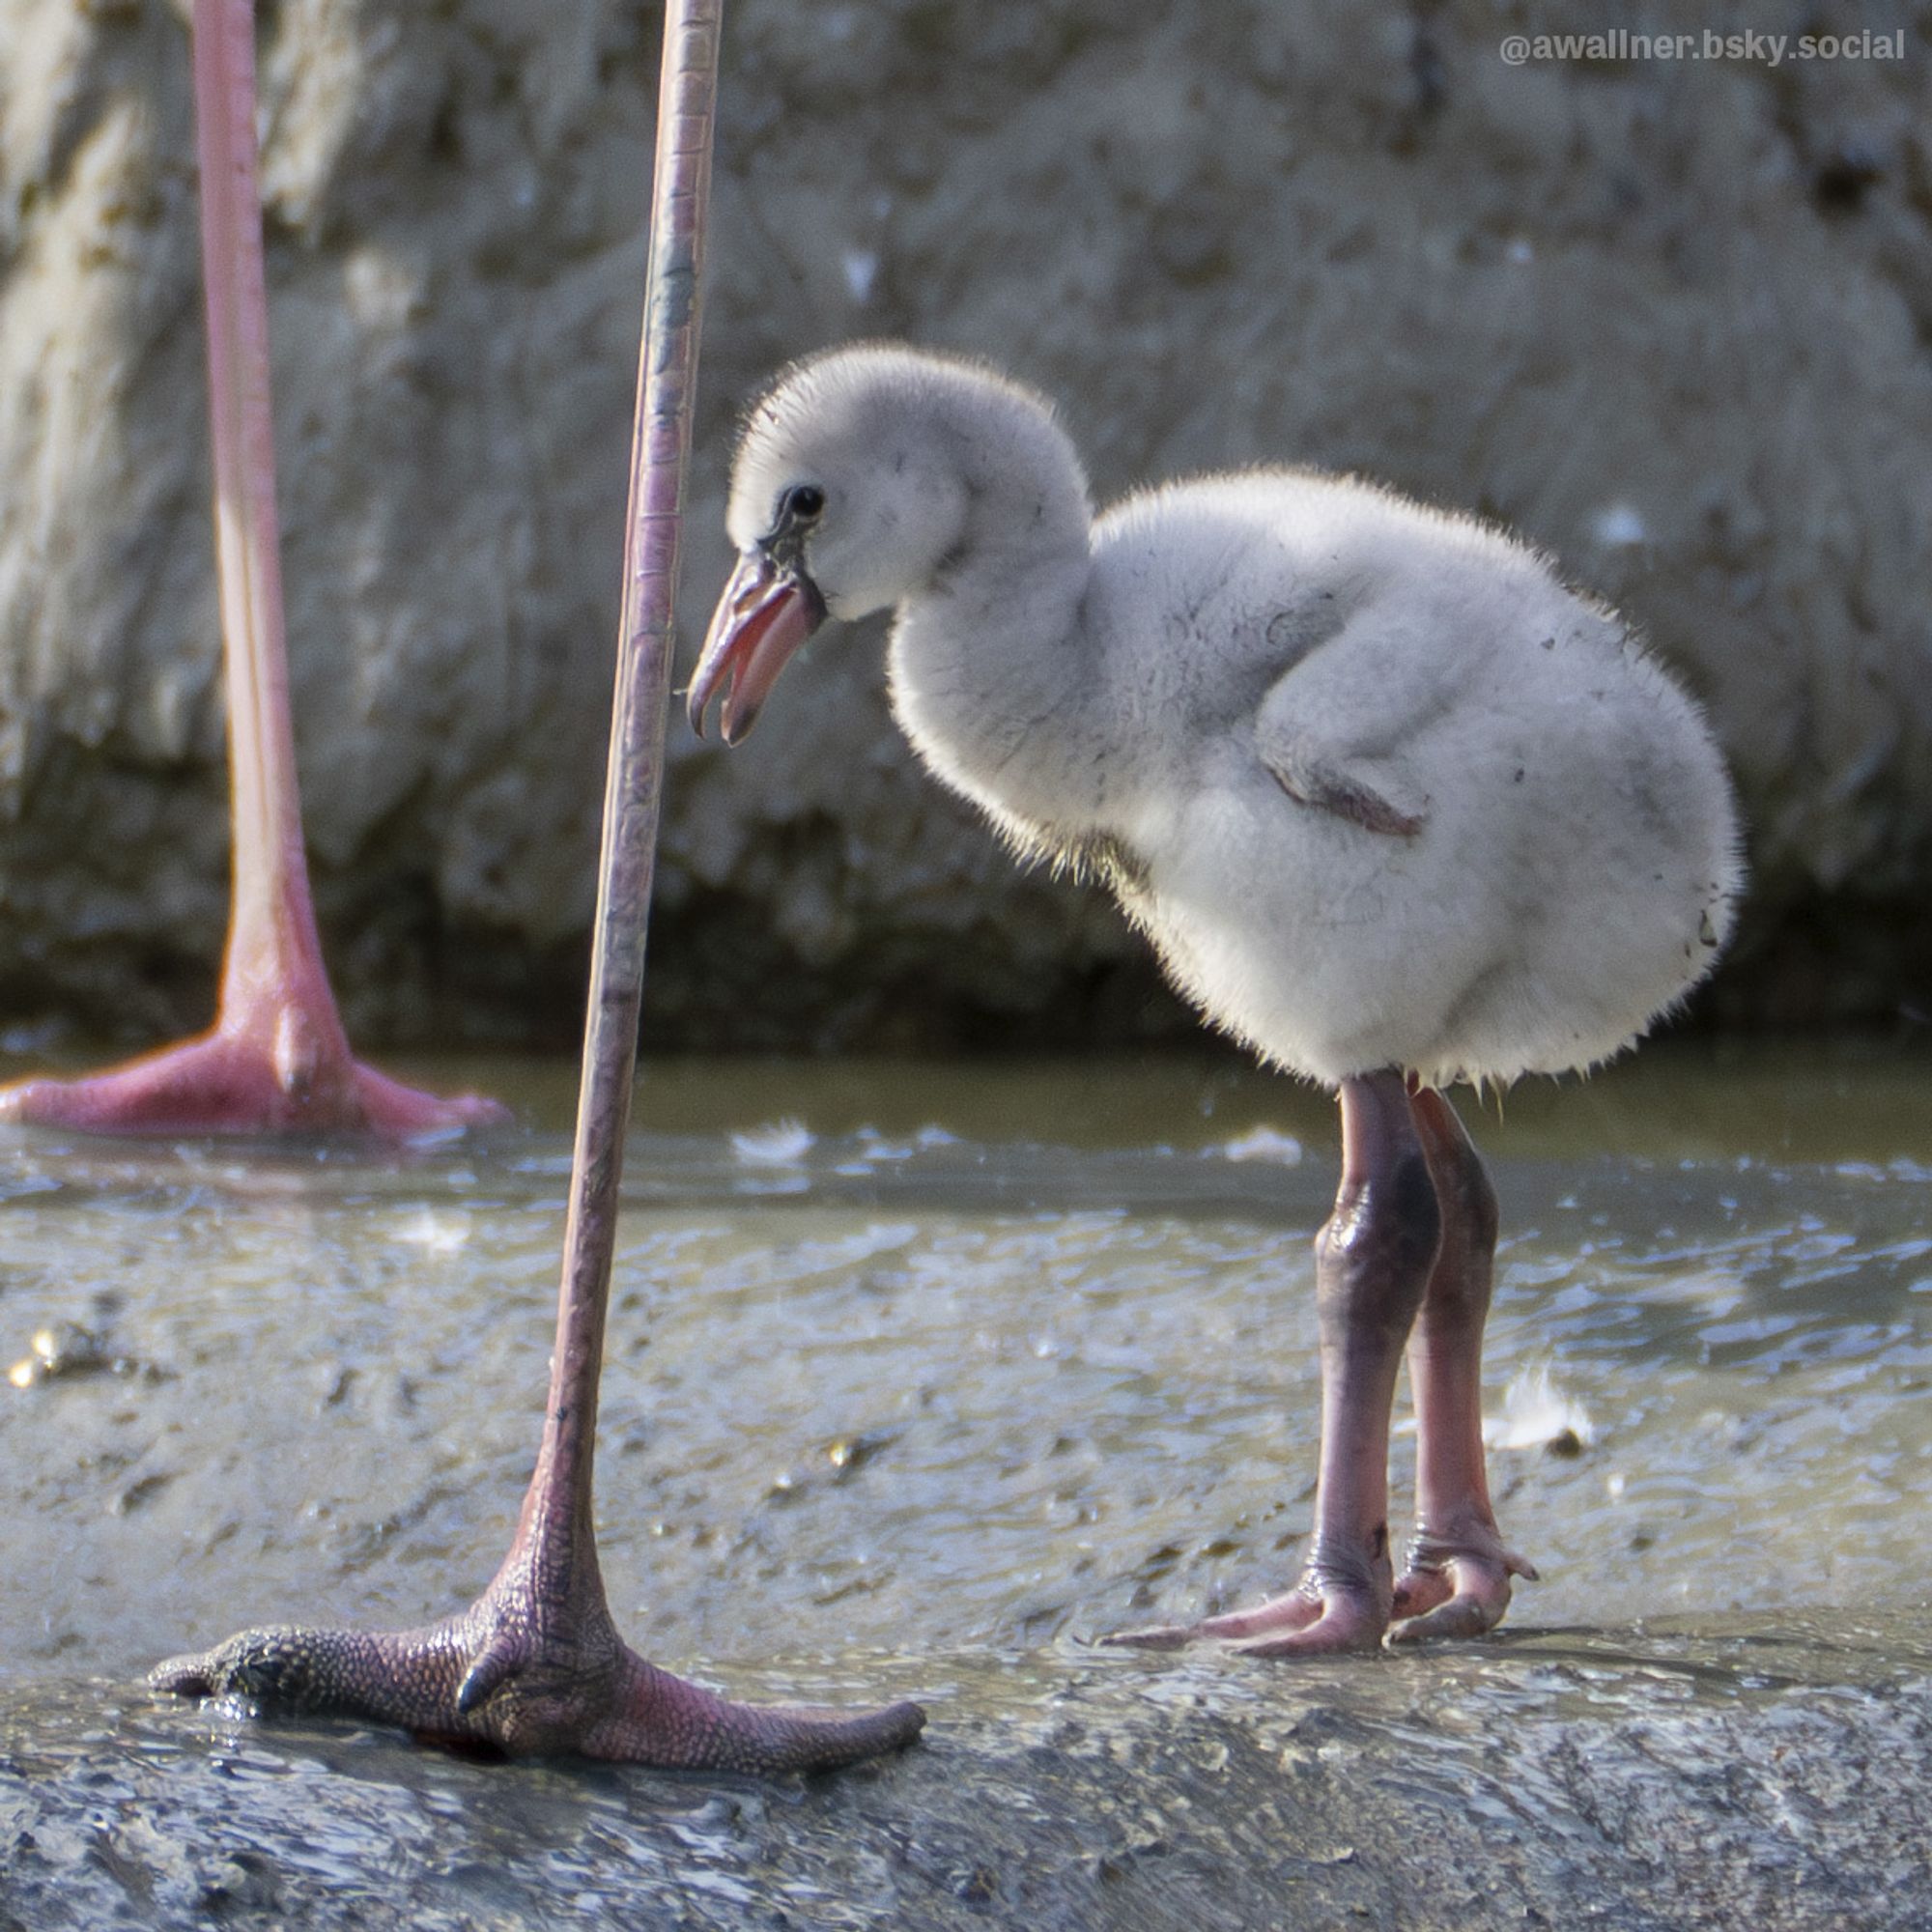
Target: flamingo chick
pixel 1395 808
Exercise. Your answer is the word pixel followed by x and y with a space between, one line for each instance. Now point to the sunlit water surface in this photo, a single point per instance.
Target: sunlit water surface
pixel 911 1358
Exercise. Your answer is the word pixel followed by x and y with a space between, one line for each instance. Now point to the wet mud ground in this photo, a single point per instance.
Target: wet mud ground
pixel 918 1379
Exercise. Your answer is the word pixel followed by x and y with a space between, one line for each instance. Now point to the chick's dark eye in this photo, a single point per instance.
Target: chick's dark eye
pixel 806 500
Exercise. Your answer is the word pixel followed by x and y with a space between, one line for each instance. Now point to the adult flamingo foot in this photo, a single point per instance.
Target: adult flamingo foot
pixel 235 1080
pixel 504 1676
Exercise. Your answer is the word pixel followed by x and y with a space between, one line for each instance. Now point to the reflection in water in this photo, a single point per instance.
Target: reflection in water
pixel 912 1361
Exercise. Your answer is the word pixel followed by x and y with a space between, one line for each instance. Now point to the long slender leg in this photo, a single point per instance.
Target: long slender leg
pixel 276 1060
pixel 535 1663
pixel 1371 1260
pixel 1456 1582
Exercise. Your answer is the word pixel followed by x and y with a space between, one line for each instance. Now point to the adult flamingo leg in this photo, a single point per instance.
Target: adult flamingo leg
pixel 1456 1579
pixel 1373 1258
pixel 535 1664
pixel 276 1060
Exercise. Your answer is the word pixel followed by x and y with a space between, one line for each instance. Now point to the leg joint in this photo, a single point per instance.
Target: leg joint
pixel 1474 1196
pixel 1391 1221
pixel 1374 1257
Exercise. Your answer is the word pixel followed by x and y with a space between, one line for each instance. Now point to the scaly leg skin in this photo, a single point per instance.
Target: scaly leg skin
pixel 1457 1581
pixel 517 1676
pixel 1372 1261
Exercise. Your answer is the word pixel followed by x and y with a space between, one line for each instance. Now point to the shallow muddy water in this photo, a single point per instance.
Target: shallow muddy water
pixel 1720 1779
pixel 917 1359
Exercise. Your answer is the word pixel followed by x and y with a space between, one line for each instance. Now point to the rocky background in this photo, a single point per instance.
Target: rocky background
pixel 1669 319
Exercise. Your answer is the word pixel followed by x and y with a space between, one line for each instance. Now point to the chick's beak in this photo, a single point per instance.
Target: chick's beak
pixel 764 616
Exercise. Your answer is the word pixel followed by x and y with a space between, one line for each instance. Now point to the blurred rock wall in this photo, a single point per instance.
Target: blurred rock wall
pixel 1672 319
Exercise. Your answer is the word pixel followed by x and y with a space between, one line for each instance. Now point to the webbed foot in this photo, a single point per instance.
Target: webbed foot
pixel 490 1679
pixel 1455 1585
pixel 243 1082
pixel 1325 1615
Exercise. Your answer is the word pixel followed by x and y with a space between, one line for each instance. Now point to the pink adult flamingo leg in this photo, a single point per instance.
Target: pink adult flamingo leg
pixel 535 1664
pixel 276 1060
